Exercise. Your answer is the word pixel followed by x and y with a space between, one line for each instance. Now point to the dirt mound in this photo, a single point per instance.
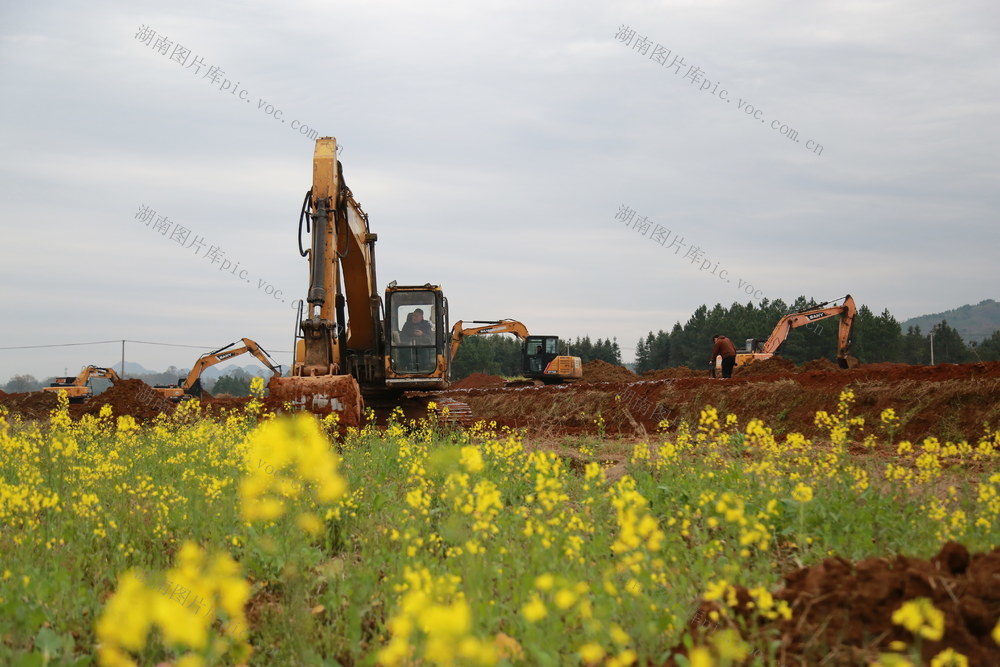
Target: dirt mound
pixel 602 371
pixel 951 403
pixel 126 397
pixel 477 380
pixel 842 611
pixel 672 373
pixel 772 366
pixel 30 404
pixel 824 365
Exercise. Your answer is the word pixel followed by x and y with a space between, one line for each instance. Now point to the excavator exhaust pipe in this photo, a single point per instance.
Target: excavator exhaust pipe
pixel 321 395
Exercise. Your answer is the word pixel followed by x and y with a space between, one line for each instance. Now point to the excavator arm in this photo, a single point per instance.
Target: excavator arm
pixel 191 384
pixel 77 388
pixel 107 373
pixel 459 331
pixel 846 311
pixel 341 272
pixel 341 282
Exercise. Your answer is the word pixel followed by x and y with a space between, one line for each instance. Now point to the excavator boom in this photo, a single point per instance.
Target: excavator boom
pixel 77 388
pixel 846 310
pixel 340 243
pixel 459 331
pixel 191 386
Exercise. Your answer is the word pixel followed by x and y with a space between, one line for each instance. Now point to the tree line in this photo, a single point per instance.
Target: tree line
pixel 502 354
pixel 234 383
pixel 876 338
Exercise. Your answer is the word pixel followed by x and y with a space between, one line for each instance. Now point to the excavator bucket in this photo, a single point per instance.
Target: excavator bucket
pixel 321 395
pixel 848 362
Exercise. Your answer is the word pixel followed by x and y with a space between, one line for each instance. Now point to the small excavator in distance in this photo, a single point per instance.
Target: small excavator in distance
pixel 190 387
pixel 77 388
pixel 349 341
pixel 758 349
pixel 540 359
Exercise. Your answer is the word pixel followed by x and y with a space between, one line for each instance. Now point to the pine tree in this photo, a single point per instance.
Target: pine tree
pixel 234 383
pixel 915 347
pixel 988 349
pixel 949 348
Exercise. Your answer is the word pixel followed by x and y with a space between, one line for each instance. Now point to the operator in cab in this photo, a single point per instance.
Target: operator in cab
pixel 723 347
pixel 417 330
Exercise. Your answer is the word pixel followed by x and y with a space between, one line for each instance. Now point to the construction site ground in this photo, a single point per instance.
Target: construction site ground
pixel 948 401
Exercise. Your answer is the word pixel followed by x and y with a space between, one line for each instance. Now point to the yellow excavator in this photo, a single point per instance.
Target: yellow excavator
pixel 349 341
pixel 758 349
pixel 540 359
pixel 190 387
pixel 77 388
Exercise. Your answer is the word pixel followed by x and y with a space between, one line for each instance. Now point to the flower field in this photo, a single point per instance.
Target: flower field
pixel 243 537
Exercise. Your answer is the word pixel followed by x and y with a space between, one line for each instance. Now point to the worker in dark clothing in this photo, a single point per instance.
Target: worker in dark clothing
pixel 417 330
pixel 723 347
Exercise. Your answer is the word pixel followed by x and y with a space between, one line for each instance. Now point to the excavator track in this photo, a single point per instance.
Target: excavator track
pixel 417 405
pixel 458 412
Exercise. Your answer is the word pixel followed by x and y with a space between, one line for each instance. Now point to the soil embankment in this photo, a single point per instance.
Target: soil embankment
pixel 951 402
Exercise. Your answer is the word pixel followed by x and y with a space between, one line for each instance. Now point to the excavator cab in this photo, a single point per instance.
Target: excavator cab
pixel 541 361
pixel 538 352
pixel 416 319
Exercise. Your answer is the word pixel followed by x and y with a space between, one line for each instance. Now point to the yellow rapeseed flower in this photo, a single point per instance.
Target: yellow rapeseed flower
pixel 472 459
pixel 544 582
pixel 565 598
pixel 534 610
pixel 310 523
pixel 284 455
pixel 591 653
pixel 701 657
pixel 802 493
pixel 730 646
pixel 919 616
pixel 892 660
pixel 949 658
pixel 127 619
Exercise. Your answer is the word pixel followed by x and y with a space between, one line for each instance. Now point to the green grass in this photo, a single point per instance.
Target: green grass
pixel 329 599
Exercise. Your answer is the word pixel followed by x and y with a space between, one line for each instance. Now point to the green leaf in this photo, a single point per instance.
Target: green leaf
pixel 33 659
pixel 48 642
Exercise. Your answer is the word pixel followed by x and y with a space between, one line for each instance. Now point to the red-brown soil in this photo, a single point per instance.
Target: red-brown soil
pixel 817 365
pixel 949 401
pixel 602 371
pixel 126 397
pixel 477 380
pixel 30 404
pixel 772 366
pixel 674 373
pixel 842 611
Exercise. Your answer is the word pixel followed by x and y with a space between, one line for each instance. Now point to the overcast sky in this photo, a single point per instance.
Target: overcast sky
pixel 494 147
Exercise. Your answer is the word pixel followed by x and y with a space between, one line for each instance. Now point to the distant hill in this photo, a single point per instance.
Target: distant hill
pixel 973 323
pixel 133 369
pixel 217 371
